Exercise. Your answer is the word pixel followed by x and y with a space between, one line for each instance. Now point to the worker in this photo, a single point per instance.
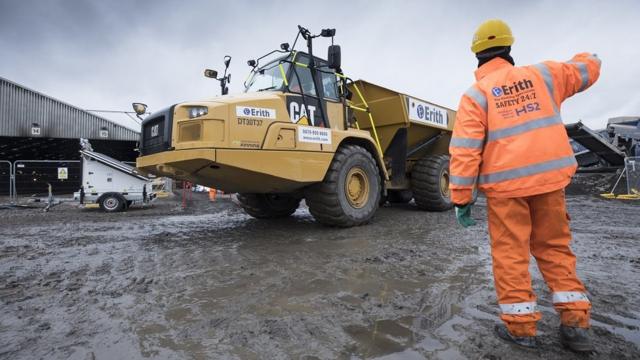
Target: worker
pixel 510 142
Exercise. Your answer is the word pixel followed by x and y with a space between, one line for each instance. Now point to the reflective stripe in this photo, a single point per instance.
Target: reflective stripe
pixel 548 80
pixel 467 143
pixel 521 128
pixel 527 170
pixel 584 73
pixel 569 296
pixel 518 308
pixel 546 75
pixel 462 180
pixel 478 97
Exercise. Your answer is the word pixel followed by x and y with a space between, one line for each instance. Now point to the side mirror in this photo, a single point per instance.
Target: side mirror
pixel 211 73
pixel 251 63
pixel 328 32
pixel 227 61
pixel 334 57
pixel 284 46
pixel 139 108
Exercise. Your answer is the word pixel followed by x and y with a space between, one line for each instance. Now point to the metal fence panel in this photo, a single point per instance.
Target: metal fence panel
pixel 5 178
pixel 33 176
pixel 632 164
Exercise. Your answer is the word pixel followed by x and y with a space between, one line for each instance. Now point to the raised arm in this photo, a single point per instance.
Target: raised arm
pixel 573 76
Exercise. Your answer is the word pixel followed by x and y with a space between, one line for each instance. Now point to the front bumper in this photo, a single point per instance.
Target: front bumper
pixel 238 170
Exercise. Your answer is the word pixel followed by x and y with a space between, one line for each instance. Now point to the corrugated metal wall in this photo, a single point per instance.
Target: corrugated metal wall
pixel 21 109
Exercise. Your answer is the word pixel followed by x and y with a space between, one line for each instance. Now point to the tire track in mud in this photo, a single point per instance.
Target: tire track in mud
pixel 209 282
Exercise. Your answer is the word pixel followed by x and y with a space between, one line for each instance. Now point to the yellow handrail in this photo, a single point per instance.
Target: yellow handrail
pixel 373 125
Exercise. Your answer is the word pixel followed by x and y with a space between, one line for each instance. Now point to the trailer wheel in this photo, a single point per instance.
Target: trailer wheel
pixel 399 196
pixel 430 183
pixel 268 206
pixel 350 193
pixel 112 202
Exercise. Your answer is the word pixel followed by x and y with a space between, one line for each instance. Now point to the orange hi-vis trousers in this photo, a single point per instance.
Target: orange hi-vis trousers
pixel 539 225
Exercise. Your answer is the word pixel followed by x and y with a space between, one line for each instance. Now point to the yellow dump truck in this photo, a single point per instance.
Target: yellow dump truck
pixel 304 130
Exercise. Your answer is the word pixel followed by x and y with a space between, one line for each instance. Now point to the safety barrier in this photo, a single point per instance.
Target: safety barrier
pixel 632 166
pixel 6 176
pixel 32 177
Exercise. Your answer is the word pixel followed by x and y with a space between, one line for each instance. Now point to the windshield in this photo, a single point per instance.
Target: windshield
pixel 268 77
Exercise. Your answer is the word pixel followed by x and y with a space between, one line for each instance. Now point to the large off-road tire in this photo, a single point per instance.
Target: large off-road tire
pixel 399 196
pixel 268 206
pixel 112 202
pixel 350 193
pixel 430 183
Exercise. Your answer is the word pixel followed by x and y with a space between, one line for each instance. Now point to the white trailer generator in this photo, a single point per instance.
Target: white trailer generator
pixel 112 184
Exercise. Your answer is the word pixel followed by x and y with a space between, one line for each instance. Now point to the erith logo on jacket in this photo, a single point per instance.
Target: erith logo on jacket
pixel 513 89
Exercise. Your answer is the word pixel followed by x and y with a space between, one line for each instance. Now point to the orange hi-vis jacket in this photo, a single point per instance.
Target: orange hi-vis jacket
pixel 508 138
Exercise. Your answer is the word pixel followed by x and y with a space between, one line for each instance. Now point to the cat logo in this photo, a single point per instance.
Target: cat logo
pixel 155 130
pixel 299 113
pixel 304 111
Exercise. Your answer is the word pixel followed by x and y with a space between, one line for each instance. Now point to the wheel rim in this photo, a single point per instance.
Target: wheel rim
pixel 357 187
pixel 444 183
pixel 111 203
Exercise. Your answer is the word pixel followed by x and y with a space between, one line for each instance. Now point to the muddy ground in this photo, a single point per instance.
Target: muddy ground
pixel 209 282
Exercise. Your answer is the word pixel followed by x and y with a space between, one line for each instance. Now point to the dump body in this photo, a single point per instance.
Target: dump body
pixel 392 110
pixel 408 128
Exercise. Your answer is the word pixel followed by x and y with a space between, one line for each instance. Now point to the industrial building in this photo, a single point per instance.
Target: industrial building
pixel 40 141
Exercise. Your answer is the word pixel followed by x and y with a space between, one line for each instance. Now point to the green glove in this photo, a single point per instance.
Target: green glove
pixel 463 215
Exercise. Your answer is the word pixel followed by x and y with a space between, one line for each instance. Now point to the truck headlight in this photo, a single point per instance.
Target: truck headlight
pixel 197 111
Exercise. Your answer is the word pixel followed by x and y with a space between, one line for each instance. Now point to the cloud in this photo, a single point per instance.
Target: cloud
pixel 99 54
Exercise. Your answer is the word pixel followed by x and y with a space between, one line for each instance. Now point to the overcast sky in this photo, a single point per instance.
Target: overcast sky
pixel 106 54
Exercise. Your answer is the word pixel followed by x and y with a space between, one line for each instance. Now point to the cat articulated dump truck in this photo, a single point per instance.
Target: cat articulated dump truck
pixel 304 130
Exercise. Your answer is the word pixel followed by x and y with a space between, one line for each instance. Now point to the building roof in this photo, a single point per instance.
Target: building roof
pixel 28 113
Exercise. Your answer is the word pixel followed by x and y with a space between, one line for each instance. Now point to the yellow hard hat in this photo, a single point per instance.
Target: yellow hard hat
pixel 491 33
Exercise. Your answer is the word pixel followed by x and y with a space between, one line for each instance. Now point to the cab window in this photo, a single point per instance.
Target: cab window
pixel 303 82
pixel 329 85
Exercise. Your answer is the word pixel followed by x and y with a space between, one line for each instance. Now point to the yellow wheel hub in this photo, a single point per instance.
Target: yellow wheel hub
pixel 444 183
pixel 357 187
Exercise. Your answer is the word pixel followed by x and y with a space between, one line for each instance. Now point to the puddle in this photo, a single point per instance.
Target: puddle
pixel 382 338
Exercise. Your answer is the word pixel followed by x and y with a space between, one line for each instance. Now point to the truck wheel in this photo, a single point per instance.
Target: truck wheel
pixel 399 196
pixel 430 183
pixel 112 202
pixel 268 206
pixel 350 193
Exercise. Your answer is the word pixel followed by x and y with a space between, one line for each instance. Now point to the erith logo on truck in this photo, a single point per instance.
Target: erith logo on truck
pixel 265 113
pixel 422 112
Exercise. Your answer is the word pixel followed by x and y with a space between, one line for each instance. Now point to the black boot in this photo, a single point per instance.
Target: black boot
pixel 526 341
pixel 576 339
